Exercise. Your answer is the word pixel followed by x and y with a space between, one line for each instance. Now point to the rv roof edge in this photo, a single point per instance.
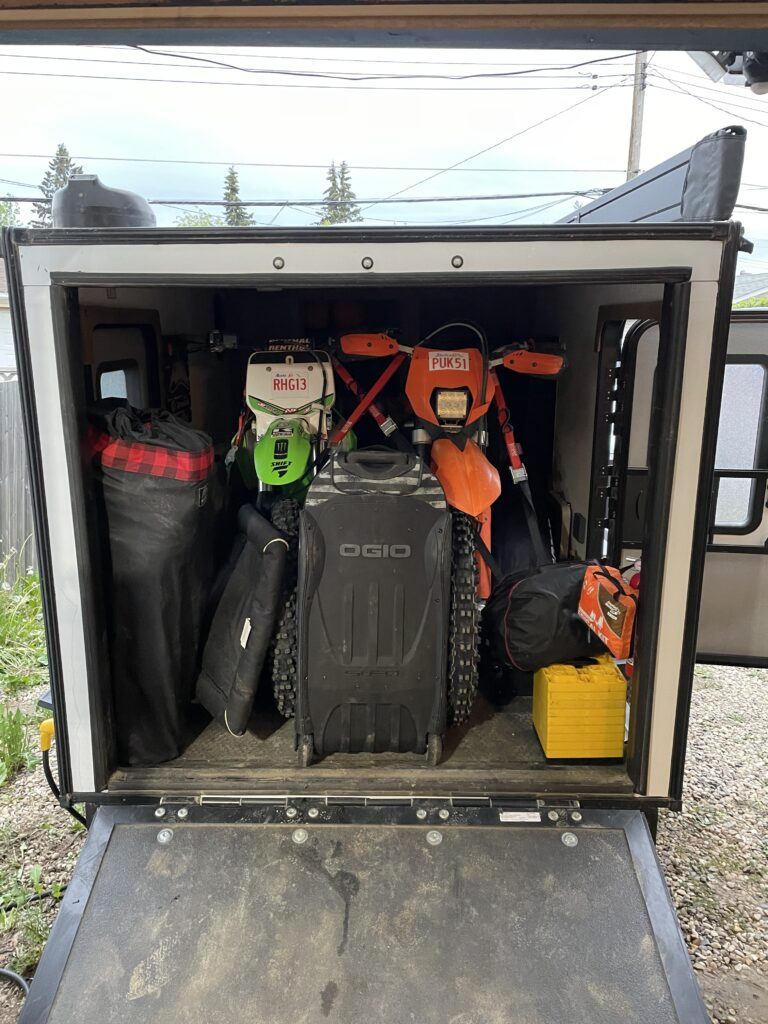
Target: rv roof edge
pixel 699 184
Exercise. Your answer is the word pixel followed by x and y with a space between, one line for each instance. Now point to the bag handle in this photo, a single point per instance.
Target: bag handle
pixel 389 465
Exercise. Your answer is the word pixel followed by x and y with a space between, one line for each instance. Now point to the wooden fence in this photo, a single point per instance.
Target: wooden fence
pixel 16 527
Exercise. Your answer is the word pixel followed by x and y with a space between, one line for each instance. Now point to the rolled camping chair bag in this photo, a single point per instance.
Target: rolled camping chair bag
pixel 243 624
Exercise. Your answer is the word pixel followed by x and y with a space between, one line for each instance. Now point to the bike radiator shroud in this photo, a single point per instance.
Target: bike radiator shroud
pixel 374 603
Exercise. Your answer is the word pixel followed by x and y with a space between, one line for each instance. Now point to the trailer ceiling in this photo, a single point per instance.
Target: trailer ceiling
pixel 567 24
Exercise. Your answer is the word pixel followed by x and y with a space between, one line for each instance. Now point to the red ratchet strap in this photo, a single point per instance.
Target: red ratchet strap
pixel 385 423
pixel 507 430
pixel 365 403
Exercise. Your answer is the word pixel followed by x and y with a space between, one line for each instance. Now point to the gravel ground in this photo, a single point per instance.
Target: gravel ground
pixel 714 854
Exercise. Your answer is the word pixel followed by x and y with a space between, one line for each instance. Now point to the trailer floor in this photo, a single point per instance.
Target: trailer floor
pixel 496 751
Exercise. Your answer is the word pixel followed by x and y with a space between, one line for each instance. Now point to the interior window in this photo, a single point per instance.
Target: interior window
pixel 742 424
pixel 120 380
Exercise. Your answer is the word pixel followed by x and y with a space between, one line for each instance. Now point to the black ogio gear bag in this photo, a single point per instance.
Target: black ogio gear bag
pixel 374 600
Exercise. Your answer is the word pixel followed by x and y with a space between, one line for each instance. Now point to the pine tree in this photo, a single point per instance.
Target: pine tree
pixel 330 197
pixel 236 215
pixel 340 200
pixel 350 210
pixel 60 170
pixel 9 214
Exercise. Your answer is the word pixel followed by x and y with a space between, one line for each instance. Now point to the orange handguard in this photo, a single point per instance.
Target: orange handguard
pixel 368 345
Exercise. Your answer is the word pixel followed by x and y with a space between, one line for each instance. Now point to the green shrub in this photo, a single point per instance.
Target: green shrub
pixel 23 657
pixel 16 751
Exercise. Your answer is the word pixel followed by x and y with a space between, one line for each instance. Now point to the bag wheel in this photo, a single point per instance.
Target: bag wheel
pixel 306 751
pixel 434 752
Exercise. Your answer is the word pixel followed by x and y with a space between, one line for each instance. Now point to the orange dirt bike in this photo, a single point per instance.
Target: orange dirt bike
pixel 451 390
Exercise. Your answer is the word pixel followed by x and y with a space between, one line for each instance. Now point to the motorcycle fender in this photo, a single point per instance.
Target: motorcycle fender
pixel 470 482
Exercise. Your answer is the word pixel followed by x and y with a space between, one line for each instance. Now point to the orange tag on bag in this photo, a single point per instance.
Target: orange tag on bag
pixel 607 605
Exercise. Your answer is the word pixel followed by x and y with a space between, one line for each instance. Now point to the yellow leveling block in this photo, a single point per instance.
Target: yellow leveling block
pixel 579 712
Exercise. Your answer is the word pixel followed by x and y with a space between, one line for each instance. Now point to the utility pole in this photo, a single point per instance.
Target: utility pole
pixel 638 103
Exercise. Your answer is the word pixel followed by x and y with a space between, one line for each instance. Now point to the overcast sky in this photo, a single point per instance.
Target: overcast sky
pixel 85 97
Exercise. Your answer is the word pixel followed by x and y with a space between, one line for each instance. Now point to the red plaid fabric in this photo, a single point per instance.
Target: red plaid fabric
pixel 153 460
pixel 95 441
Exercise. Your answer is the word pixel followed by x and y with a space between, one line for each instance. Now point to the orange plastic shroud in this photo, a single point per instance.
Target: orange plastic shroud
pixel 433 368
pixel 471 484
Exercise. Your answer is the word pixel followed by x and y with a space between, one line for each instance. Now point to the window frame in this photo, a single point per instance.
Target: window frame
pixel 758 475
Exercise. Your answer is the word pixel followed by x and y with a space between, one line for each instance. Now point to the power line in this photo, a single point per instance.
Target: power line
pixel 567 193
pixel 339 76
pixel 725 93
pixel 21 184
pixel 363 60
pixel 310 203
pixel 496 145
pixel 300 73
pixel 323 167
pixel 705 100
pixel 318 88
pixel 734 106
pixel 754 209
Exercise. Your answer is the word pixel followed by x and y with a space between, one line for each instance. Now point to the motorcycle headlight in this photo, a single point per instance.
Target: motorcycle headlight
pixel 452 405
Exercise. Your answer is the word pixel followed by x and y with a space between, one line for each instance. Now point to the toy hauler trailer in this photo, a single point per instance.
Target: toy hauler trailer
pixel 227 884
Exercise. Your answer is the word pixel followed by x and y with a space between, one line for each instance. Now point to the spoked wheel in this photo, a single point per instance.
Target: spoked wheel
pixel 285 646
pixel 306 751
pixel 463 651
pixel 434 752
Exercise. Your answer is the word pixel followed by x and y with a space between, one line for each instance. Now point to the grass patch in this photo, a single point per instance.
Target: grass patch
pixel 16 750
pixel 23 656
pixel 25 903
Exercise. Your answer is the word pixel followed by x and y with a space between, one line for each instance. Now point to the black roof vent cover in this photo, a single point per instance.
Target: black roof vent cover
pixel 85 203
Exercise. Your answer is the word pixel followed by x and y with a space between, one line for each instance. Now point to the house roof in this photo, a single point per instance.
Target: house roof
pixel 748 286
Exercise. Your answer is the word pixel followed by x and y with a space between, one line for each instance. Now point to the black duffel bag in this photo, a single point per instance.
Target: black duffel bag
pixel 242 628
pixel 531 618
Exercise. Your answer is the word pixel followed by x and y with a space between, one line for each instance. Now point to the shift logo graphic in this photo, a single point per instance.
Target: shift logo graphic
pixel 375 550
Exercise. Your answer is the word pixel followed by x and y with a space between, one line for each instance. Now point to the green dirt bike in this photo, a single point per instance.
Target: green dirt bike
pixel 285 423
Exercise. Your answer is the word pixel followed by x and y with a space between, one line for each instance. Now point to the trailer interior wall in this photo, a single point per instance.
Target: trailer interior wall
pixel 568 303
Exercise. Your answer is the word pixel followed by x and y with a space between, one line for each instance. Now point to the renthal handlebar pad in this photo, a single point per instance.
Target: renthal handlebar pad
pixel 374 602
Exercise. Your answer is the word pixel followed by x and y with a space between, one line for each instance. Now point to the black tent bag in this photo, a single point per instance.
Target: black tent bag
pixel 531 618
pixel 243 624
pixel 156 483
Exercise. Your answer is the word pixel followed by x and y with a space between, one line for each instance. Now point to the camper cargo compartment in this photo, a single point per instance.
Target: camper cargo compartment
pixel 313 911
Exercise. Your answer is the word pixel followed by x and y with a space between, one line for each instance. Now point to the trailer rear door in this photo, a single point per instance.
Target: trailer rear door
pixel 735 589
pixel 313 912
pixel 734 599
